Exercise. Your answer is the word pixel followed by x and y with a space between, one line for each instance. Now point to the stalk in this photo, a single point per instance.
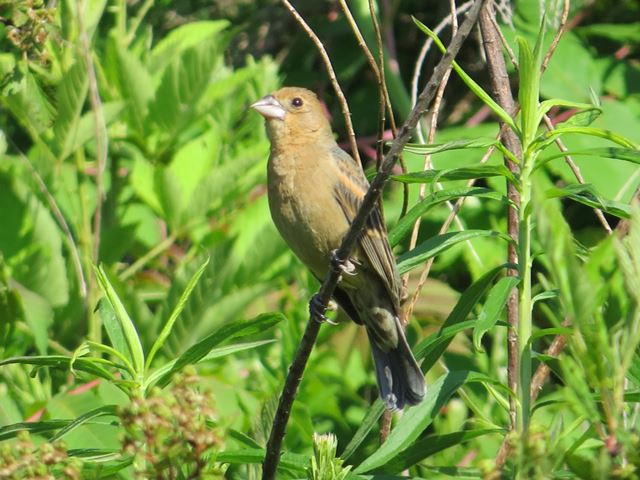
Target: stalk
pixel 525 320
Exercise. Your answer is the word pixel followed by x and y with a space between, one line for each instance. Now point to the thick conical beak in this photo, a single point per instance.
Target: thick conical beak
pixel 269 107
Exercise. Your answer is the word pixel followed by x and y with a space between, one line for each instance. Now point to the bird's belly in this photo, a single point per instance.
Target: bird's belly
pixel 310 222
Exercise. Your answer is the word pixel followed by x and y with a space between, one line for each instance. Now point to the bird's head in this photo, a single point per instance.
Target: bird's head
pixel 294 115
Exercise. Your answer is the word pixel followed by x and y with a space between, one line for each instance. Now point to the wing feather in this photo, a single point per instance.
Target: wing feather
pixel 349 193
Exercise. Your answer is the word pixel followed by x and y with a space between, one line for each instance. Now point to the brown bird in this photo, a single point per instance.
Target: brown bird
pixel 315 190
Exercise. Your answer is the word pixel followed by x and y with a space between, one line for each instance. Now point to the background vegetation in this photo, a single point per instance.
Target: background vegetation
pixel 136 242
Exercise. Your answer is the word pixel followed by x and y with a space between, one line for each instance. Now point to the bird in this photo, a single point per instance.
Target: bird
pixel 314 192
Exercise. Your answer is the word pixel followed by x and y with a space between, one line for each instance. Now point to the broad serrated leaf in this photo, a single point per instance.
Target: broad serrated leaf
pixel 182 38
pixel 71 95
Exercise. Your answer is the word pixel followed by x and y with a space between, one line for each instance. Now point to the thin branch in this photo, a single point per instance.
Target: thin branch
pixel 100 128
pixel 433 125
pixel 558 36
pixel 502 93
pixel 332 77
pixel 59 216
pixel 330 282
pixel 417 69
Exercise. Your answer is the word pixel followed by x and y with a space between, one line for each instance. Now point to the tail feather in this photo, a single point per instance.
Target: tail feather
pixel 400 379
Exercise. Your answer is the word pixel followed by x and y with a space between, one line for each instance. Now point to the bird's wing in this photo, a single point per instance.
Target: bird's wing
pixel 349 192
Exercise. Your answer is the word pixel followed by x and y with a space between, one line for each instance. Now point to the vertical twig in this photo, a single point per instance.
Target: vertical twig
pixel 502 93
pixel 433 125
pixel 332 77
pixel 101 147
pixel 100 128
pixel 330 282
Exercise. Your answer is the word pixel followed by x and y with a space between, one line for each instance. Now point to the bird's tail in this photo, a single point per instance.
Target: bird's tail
pixel 400 379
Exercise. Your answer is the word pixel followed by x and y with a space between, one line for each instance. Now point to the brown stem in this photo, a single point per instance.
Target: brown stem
pixel 321 299
pixel 501 90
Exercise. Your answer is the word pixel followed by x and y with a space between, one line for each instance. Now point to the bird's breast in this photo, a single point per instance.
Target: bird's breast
pixel 304 208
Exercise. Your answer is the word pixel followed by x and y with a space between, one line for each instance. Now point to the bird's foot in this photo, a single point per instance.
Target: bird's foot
pixel 317 310
pixel 343 267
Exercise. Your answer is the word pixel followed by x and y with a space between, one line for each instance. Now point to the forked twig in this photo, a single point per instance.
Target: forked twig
pixel 332 77
pixel 330 282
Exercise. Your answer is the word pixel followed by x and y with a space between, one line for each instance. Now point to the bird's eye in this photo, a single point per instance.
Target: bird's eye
pixel 296 102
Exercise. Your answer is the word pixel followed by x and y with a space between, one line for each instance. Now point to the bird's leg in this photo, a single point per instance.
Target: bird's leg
pixel 317 309
pixel 345 267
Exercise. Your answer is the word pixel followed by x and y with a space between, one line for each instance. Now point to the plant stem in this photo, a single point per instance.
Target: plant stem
pixel 524 307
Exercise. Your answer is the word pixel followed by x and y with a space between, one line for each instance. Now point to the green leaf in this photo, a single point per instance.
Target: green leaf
pixel 432 444
pixel 43 427
pixel 134 348
pixel 548 137
pixel 86 126
pixel 135 85
pixel 198 351
pixel 434 346
pixel 182 38
pixel 462 173
pixel 473 86
pixel 183 84
pixel 587 195
pixel 369 422
pixel 38 315
pixel 528 93
pixel 544 296
pixel 103 411
pixel 72 92
pixel 493 308
pixel 415 420
pixel 618 32
pixel 113 328
pixel 582 118
pixel 297 463
pixel 438 244
pixel 432 148
pixel 405 224
pixel 166 330
pixel 89 366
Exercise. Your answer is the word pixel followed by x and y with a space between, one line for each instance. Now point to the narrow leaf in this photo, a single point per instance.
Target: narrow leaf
pixel 438 244
pixel 415 420
pixel 370 421
pixel 105 410
pixel 430 149
pixel 166 330
pixel 124 321
pixel 462 173
pixel 432 444
pixel 475 88
pixel 227 332
pixel 406 223
pixel 493 308
pixel 431 348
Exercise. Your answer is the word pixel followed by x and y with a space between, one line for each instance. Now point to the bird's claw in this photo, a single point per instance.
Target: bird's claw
pixel 317 308
pixel 345 267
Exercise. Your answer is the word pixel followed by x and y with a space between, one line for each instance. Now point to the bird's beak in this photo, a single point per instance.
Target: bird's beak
pixel 269 107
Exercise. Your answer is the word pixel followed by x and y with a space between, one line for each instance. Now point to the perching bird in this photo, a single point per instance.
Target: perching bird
pixel 315 190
